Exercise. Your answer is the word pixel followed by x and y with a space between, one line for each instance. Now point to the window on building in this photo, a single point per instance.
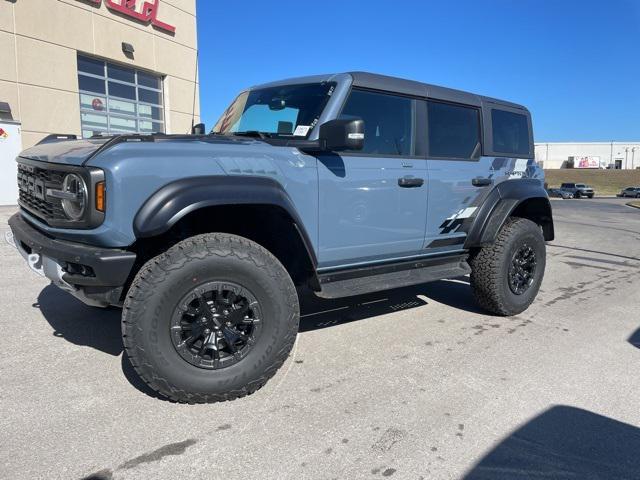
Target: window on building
pixel 510 132
pixel 388 121
pixel 454 130
pixel 116 99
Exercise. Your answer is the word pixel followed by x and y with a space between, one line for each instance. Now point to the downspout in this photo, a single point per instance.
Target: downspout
pixel 611 157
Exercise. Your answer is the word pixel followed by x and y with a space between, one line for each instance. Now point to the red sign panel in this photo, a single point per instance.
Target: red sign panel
pixel 148 14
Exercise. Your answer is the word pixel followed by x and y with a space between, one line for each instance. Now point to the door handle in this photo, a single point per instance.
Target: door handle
pixel 410 182
pixel 481 182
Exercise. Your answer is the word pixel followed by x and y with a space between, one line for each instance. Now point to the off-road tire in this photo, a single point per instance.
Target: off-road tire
pixel 490 267
pixel 156 290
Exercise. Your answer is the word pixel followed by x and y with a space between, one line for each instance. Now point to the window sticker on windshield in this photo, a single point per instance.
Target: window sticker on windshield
pixel 301 130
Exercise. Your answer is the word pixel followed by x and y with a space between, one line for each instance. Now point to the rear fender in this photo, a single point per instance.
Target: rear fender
pixel 525 198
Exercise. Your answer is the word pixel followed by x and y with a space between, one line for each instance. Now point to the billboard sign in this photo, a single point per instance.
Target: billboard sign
pixel 586 162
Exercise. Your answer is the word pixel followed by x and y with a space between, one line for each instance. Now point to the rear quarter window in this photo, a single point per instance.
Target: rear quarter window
pixel 510 132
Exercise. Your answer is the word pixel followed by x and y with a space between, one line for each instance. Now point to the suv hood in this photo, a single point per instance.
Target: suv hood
pixel 70 152
pixel 76 152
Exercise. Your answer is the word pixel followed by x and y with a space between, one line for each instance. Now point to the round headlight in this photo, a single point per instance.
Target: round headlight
pixel 75 204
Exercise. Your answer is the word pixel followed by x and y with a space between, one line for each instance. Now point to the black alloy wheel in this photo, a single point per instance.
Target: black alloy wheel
pixel 216 325
pixel 522 269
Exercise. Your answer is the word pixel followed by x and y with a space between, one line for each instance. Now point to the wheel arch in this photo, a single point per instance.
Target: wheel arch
pixel 525 198
pixel 197 205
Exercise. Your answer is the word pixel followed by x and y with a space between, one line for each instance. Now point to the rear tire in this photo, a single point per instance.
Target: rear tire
pixel 506 275
pixel 234 284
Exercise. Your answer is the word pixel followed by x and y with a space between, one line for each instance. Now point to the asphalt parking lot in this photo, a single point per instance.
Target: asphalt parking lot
pixel 414 383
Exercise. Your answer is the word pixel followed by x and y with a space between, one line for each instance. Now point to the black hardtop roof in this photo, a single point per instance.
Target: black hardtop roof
pixel 410 87
pixel 401 86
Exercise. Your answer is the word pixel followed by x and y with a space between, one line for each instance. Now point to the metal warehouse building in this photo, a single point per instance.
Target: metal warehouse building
pixel 87 67
pixel 618 155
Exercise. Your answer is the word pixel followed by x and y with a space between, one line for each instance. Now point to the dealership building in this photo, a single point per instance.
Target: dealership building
pixel 616 155
pixel 88 67
pixel 93 67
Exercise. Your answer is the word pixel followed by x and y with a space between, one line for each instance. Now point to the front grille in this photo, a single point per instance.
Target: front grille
pixel 33 183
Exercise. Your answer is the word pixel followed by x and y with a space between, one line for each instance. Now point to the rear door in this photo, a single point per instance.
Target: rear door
pixel 470 150
pixel 454 161
pixel 373 203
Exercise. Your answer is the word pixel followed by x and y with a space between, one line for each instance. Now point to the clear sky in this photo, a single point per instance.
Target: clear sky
pixel 574 63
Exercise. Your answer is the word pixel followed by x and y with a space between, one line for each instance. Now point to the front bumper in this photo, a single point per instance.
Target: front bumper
pixel 105 269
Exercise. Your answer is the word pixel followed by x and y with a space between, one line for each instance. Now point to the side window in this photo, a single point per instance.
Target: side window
pixel 454 130
pixel 510 132
pixel 388 122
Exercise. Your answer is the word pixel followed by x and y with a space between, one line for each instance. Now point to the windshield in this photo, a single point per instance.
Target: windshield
pixel 284 111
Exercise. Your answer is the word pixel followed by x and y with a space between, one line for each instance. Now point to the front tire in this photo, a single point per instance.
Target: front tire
pixel 506 275
pixel 211 319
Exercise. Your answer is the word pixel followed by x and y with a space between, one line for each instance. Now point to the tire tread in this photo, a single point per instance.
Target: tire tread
pixel 486 273
pixel 156 270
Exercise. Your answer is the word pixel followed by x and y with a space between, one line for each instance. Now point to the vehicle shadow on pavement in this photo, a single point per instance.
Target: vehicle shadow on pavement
pixel 100 328
pixel 564 442
pixel 89 327
pixel 80 324
pixel 317 313
pixel 634 339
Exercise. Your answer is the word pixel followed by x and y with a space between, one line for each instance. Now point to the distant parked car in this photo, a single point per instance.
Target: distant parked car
pixel 633 192
pixel 578 189
pixel 557 193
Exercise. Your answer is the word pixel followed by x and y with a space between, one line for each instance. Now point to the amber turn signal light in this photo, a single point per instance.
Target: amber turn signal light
pixel 101 198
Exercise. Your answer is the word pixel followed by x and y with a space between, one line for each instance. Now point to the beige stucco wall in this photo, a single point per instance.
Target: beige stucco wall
pixel 39 41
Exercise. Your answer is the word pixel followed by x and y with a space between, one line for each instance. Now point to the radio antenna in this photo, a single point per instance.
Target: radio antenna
pixel 195 90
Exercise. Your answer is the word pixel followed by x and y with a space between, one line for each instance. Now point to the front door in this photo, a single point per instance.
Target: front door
pixel 373 203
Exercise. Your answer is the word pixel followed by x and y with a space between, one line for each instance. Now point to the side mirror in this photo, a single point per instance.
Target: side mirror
pixel 198 129
pixel 342 134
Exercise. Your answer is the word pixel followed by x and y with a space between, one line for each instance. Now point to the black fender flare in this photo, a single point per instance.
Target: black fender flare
pixel 175 200
pixel 502 201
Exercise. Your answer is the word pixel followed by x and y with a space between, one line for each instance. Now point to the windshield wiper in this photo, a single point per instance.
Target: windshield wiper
pixel 253 134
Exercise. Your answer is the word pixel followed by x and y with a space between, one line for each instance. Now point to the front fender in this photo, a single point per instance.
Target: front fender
pixel 174 201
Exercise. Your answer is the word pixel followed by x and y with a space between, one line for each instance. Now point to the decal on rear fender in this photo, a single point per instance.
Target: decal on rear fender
pixel 455 221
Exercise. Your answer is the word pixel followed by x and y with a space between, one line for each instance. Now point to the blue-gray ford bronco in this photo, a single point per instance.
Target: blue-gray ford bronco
pixel 342 184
